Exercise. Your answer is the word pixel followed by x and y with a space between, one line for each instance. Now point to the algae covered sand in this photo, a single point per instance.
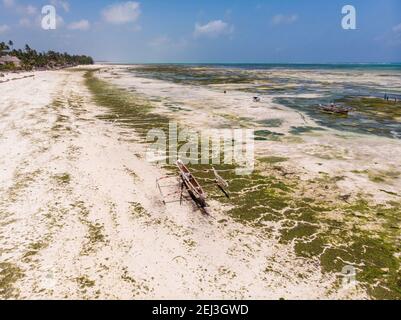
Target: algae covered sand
pixel 376 108
pixel 314 215
pixel 328 229
pixel 81 216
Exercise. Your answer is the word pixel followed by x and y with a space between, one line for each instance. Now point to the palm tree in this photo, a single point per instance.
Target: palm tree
pixel 31 59
pixel 3 47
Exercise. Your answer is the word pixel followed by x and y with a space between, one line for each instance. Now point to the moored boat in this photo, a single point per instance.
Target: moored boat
pixel 333 109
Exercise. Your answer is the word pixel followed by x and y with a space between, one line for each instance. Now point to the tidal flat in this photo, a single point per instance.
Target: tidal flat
pixel 81 215
pixel 305 190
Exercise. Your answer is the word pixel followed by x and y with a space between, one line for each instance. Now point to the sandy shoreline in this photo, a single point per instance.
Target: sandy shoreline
pixel 81 217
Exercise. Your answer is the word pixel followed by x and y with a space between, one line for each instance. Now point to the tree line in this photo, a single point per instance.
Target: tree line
pixel 31 59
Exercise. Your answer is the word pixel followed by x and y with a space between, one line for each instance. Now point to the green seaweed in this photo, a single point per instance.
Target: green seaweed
pixel 273 159
pixel 9 275
pixel 375 108
pixel 271 123
pixel 138 210
pixel 64 178
pixel 271 197
pixel 305 129
pixel 84 282
pixel 263 135
pixel 192 75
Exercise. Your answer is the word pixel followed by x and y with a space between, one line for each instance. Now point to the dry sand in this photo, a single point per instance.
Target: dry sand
pixel 81 217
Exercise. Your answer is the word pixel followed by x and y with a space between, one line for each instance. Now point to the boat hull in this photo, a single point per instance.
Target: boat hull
pixel 191 184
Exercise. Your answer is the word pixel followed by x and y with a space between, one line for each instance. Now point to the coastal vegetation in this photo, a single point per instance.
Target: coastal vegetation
pixel 28 59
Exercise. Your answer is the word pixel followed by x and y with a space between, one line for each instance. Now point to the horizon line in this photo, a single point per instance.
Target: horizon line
pixel 266 63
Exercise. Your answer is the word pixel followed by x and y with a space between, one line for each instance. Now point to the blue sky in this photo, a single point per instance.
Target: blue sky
pixel 303 31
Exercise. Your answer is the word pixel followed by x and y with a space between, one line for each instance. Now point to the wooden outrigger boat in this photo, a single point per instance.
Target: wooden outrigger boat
pixel 188 181
pixel 333 109
pixel 191 184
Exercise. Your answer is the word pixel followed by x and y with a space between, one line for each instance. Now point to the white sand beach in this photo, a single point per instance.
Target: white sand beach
pixel 81 216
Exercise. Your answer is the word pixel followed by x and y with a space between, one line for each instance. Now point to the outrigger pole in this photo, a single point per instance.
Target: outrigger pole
pixel 221 183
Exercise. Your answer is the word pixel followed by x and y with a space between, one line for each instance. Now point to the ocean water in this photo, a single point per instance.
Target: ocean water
pixel 287 84
pixel 301 66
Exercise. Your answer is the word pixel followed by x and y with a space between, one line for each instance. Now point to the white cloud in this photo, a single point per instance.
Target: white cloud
pixel 79 25
pixel 8 3
pixel 59 21
pixel 213 29
pixel 62 4
pixel 166 44
pixel 284 19
pixel 31 10
pixel 23 10
pixel 394 38
pixel 121 13
pixel 137 28
pixel 160 41
pixel 4 28
pixel 397 28
pixel 24 22
pixel 28 10
pixel 391 38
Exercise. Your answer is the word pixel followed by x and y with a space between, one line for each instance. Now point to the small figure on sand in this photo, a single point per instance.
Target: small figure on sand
pixel 256 99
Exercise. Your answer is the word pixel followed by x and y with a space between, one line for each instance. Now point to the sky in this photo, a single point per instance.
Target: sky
pixel 209 31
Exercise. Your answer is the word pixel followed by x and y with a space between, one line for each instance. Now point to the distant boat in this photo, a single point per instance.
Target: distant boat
pixel 333 109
